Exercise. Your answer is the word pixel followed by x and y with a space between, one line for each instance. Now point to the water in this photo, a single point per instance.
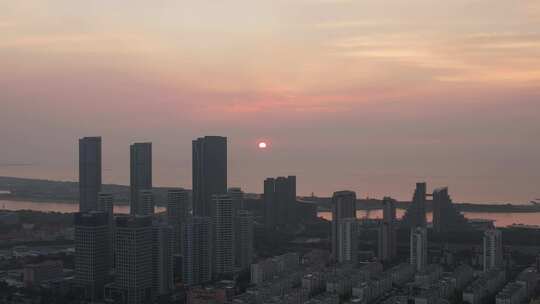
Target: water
pixel 501 219
pixel 57 207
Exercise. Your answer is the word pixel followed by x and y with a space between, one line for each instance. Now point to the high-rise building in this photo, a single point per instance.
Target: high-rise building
pixel 343 207
pixel 106 204
pixel 134 258
pixel 237 197
pixel 280 201
pixel 91 253
pixel 140 173
pixel 387 231
pixel 446 217
pixel 197 251
pixel 418 248
pixel 269 201
pixel 177 214
pixel 89 173
pixel 347 240
pixel 224 235
pixel 162 258
pixel 145 202
pixel 415 216
pixel 493 251
pixel 209 172
pixel 243 239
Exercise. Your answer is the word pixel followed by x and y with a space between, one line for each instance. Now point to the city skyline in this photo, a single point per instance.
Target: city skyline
pixel 270 151
pixel 375 94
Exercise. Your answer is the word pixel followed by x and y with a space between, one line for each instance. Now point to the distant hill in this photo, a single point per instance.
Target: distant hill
pixel 61 191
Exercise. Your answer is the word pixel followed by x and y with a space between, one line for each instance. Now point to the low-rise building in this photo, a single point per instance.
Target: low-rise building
pixel 37 273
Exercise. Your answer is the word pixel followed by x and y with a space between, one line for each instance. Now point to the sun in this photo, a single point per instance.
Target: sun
pixel 262 145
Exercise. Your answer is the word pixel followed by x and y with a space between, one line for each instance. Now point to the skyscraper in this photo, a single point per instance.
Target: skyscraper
pixel 89 172
pixel 237 197
pixel 418 248
pixel 492 254
pixel 415 216
pixel 387 231
pixel 224 234
pixel 197 251
pixel 91 253
pixel 243 239
pixel 162 258
pixel 140 173
pixel 347 240
pixel 343 206
pixel 280 201
pixel 134 258
pixel 446 217
pixel 177 214
pixel 270 212
pixel 106 204
pixel 209 172
pixel 145 202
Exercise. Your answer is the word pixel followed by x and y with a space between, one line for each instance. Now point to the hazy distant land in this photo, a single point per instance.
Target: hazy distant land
pixel 38 190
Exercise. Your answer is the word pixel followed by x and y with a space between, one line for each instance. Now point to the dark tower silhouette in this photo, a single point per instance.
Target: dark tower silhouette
pixel 280 201
pixel 89 173
pixel 343 207
pixel 387 230
pixel 140 174
pixel 446 217
pixel 415 216
pixel 209 172
pixel 269 208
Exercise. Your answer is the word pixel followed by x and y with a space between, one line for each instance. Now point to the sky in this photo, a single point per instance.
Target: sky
pixel 366 95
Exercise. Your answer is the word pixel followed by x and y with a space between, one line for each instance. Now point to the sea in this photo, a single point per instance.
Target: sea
pixel 500 219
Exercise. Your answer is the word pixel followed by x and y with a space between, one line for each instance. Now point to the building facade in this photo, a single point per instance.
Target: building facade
pixel 134 258
pixel 140 174
pixel 415 216
pixel 418 248
pixel 244 232
pixel 224 235
pixel 177 214
pixel 91 253
pixel 343 207
pixel 387 231
pixel 209 172
pixel 89 173
pixel 197 241
pixel 492 253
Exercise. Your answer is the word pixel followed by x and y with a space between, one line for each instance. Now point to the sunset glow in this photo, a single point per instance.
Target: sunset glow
pixel 376 94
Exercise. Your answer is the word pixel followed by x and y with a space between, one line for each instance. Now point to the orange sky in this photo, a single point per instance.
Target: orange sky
pixel 367 95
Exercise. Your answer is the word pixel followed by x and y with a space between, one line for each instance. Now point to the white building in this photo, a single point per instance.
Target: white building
pixel 418 248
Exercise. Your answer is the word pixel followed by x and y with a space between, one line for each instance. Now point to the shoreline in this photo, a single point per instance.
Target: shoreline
pixel 49 200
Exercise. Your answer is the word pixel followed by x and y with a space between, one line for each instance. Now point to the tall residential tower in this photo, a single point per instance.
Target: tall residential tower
pixel 89 173
pixel 140 174
pixel 209 172
pixel 343 207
